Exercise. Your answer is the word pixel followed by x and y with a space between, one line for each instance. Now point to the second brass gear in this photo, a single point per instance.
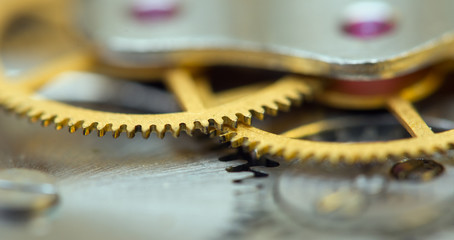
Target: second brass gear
pixel 289 145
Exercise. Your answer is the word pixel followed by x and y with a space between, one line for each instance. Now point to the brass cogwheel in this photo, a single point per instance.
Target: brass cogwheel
pixel 289 145
pixel 278 96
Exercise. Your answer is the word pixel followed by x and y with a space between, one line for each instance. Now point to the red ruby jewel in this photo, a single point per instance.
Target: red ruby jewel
pixel 368 29
pixel 145 10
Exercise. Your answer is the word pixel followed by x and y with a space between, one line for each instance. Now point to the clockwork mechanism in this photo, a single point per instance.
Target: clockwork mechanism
pixel 343 126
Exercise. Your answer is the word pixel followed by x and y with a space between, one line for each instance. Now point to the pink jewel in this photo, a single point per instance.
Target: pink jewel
pixel 366 30
pixel 154 9
pixel 368 19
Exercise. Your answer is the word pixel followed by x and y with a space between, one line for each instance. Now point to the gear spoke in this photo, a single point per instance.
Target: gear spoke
pixel 205 92
pixel 409 117
pixel 182 84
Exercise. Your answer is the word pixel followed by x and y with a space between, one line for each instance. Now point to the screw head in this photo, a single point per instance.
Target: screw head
pixel 419 170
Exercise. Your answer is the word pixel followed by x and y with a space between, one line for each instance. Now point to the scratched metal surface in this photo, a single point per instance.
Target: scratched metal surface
pixel 123 188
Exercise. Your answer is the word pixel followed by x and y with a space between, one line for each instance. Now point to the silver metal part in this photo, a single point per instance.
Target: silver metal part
pixel 364 203
pixel 291 35
pixel 24 191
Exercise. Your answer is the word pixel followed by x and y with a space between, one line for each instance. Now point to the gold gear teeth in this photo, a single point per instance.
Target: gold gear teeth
pixel 424 143
pixel 262 143
pixel 278 96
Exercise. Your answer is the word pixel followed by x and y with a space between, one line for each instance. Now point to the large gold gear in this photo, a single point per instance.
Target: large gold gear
pixel 289 145
pixel 278 96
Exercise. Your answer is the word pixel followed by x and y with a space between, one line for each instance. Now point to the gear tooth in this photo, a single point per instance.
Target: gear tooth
pixel 192 127
pixel 153 129
pixel 214 132
pixel 344 159
pixel 406 155
pixel 283 105
pixel 146 132
pixel 262 149
pixel 131 134
pixel 229 122
pixel 73 127
pixel 449 148
pixel 31 112
pixel 440 151
pixel 47 121
pixel 423 153
pixel 176 132
pixel 60 124
pixel 252 146
pixel 214 123
pixel 86 125
pixel 244 119
pixel 101 133
pixel 271 110
pixel 330 160
pixel 238 141
pixel 351 159
pixel 45 116
pixel 87 129
pixel 294 95
pixel 258 115
pixel 199 126
pixel 374 160
pixel 318 157
pixel 300 156
pixel 34 116
pixel 183 127
pixel 161 134
pixel 391 157
pixel 8 105
pixel 297 101
pixel 116 134
pixel 59 119
pixel 278 151
pixel 160 131
pixel 23 112
pixel 136 129
pixel 169 128
pixel 288 155
pixel 226 137
pixel 114 127
pixel 203 125
pixel 119 130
